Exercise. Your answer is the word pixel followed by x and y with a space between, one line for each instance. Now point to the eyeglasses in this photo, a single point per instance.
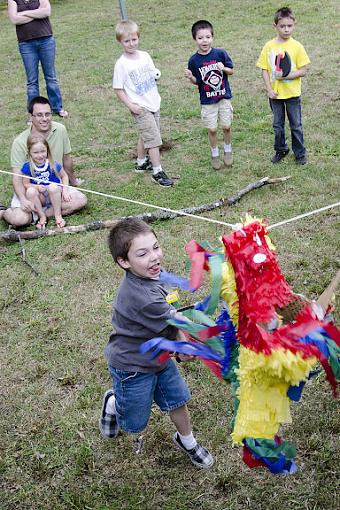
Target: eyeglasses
pixel 46 115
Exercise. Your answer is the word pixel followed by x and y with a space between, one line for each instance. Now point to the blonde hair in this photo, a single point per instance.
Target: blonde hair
pixel 125 27
pixel 33 139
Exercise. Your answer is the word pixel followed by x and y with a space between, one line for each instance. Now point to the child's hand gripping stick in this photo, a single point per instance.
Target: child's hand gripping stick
pixel 278 69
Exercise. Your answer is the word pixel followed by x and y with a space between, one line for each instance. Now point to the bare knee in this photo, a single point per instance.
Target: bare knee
pixel 226 129
pixel 17 217
pixel 81 201
pixel 77 203
pixel 32 193
pixel 53 189
pixel 212 131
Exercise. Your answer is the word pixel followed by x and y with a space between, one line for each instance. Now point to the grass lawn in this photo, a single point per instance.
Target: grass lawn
pixel 55 326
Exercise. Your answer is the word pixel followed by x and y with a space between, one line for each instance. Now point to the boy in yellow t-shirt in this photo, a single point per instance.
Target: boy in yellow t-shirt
pixel 283 62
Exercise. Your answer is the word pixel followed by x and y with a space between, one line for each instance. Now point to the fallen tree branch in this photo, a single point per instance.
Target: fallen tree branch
pixel 13 235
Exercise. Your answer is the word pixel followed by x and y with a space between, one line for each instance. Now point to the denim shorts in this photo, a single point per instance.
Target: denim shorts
pixel 136 391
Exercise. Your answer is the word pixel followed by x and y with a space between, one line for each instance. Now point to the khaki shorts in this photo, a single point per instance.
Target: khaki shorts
pixel 148 124
pixel 222 110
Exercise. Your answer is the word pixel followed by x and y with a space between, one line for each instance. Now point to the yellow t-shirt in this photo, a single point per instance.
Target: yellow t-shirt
pixel 289 56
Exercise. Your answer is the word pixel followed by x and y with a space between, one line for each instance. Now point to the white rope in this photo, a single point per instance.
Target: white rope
pixel 303 215
pixel 180 213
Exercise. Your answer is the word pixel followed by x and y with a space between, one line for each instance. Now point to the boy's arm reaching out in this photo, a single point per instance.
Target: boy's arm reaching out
pixel 188 74
pixel 133 107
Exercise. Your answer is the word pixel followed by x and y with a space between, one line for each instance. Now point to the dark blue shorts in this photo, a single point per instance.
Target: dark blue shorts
pixel 135 392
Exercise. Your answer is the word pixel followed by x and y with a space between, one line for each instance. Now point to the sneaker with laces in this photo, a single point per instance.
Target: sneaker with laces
pixel 216 163
pixel 145 167
pixel 108 424
pixel 228 158
pixel 162 179
pixel 199 456
pixel 278 156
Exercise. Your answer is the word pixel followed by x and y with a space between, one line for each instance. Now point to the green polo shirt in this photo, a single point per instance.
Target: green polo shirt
pixel 57 139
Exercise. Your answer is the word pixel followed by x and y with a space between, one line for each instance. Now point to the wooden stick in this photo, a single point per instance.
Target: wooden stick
pixel 22 252
pixel 13 235
pixel 327 294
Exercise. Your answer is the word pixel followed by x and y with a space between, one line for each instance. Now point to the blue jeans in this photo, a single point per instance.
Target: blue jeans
pixel 293 108
pixel 136 391
pixel 41 50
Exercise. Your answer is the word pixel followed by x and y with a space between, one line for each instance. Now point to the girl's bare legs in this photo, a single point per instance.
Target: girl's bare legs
pixel 54 192
pixel 35 197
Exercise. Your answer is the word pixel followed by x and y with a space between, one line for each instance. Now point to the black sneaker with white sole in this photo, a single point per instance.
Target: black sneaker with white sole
pixel 199 456
pixel 145 167
pixel 162 179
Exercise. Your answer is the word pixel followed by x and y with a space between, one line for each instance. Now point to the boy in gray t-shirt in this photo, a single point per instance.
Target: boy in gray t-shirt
pixel 140 312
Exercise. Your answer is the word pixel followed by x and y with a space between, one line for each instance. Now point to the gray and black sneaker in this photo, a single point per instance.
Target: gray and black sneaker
pixel 162 179
pixel 301 161
pixel 108 424
pixel 199 456
pixel 145 167
pixel 278 156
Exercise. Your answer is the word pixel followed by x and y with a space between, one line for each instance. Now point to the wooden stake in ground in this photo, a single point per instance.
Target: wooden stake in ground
pixel 22 252
pixel 13 235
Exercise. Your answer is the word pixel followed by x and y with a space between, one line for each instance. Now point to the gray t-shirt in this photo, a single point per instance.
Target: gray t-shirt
pixel 139 313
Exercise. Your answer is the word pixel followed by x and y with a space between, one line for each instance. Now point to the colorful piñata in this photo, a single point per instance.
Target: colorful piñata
pixel 266 340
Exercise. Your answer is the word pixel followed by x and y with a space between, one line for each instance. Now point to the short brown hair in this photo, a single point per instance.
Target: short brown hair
pixel 125 27
pixel 38 100
pixel 122 235
pixel 283 12
pixel 201 25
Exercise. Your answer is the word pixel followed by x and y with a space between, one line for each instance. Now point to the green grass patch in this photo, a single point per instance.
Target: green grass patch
pixel 55 326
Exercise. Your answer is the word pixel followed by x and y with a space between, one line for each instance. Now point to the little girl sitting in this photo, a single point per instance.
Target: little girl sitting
pixel 44 188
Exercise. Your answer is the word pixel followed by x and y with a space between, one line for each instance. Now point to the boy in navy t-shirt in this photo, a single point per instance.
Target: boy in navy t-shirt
pixel 209 69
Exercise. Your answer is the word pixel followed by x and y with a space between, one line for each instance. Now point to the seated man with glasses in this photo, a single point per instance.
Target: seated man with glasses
pixel 20 212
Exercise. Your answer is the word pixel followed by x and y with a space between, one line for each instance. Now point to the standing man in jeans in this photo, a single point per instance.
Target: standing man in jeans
pixel 37 44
